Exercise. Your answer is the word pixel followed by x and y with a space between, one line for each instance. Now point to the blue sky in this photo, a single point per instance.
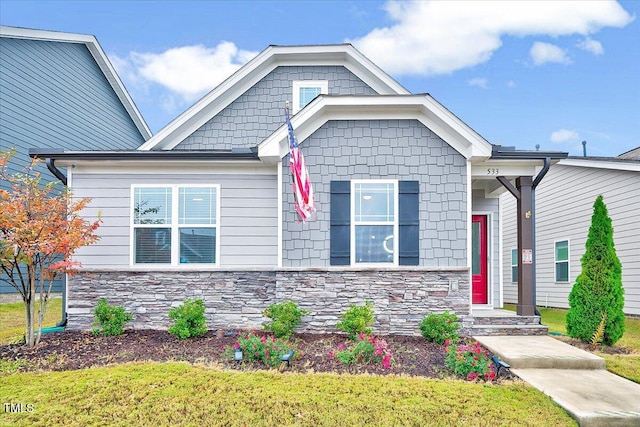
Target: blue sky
pixel 519 73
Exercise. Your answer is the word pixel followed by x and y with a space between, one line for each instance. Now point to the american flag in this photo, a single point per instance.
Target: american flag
pixel 302 190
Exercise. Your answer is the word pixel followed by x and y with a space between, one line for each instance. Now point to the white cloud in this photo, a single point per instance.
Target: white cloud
pixel 478 82
pixel 438 37
pixel 591 45
pixel 541 53
pixel 511 84
pixel 564 135
pixel 188 71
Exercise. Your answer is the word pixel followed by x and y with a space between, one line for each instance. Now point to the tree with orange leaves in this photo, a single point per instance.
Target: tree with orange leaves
pixel 40 229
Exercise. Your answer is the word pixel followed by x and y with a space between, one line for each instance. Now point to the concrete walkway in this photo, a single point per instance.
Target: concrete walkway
pixel 575 379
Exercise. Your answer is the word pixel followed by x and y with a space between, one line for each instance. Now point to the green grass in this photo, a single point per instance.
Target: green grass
pixel 176 394
pixel 625 365
pixel 12 321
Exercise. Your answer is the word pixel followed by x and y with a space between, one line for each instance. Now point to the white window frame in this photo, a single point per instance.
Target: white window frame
pixel 175 226
pixel 556 262
pixel 514 265
pixel 300 84
pixel 353 222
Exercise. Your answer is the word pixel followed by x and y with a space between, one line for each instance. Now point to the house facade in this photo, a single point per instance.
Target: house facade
pixel 564 208
pixel 59 91
pixel 406 193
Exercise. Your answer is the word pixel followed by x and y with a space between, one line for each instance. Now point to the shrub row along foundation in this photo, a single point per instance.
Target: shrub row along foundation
pixel 236 299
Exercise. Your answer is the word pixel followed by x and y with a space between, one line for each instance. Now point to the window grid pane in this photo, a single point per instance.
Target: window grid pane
pixel 562 272
pixel 152 245
pixel 152 205
pixel 374 243
pixel 374 203
pixel 197 206
pixel 514 265
pixel 307 94
pixel 562 251
pixel 197 245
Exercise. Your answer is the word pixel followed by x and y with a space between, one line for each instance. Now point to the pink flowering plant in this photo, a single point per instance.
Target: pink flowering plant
pixel 469 360
pixel 260 348
pixel 364 350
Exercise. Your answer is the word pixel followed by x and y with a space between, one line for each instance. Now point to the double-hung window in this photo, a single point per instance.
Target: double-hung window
pixel 375 222
pixel 562 261
pixel 175 224
pixel 304 91
pixel 514 265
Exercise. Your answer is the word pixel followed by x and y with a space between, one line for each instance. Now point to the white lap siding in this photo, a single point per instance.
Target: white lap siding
pixel 247 225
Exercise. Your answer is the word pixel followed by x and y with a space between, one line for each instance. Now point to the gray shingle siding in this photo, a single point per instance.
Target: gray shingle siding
pixel 259 111
pixel 381 149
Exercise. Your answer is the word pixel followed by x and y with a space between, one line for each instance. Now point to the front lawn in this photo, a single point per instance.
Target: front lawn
pixel 622 359
pixel 12 320
pixel 177 394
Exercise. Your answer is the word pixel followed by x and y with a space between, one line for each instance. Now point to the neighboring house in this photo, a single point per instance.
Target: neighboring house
pixel 59 91
pixel 564 206
pixel 407 195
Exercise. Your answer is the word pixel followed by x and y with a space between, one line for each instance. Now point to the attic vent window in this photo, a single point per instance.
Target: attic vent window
pixel 304 91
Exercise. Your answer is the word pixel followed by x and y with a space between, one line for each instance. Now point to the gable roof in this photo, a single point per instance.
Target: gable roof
pixel 634 153
pixel 100 58
pixel 255 70
pixel 423 108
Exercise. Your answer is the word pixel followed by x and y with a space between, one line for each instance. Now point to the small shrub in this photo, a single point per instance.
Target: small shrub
pixel 469 361
pixel 439 328
pixel 262 349
pixel 285 316
pixel 189 319
pixel 357 320
pixel 367 349
pixel 110 318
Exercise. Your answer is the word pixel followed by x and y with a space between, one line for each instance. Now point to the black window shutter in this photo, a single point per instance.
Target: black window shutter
pixel 340 234
pixel 408 222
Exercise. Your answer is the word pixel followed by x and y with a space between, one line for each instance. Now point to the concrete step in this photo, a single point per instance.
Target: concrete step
pixel 511 320
pixel 594 398
pixel 539 352
pixel 501 329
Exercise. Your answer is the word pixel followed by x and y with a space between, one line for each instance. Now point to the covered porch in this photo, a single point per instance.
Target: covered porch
pixel 519 173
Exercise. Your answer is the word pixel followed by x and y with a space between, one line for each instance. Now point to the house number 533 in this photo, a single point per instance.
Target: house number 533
pixel 493 171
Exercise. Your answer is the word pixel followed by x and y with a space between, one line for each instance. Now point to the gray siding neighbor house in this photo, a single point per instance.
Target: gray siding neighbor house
pixel 406 193
pixel 564 207
pixel 59 91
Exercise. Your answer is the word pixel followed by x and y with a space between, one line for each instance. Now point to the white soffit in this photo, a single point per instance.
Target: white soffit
pixel 98 55
pixel 386 107
pixel 255 70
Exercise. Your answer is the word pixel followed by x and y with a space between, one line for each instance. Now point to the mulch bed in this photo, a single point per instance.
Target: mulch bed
pixel 77 350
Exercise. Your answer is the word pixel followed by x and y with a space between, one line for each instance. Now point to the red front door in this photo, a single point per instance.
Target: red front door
pixel 479 259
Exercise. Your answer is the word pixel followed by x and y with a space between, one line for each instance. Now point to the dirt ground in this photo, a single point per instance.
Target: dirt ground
pixel 76 350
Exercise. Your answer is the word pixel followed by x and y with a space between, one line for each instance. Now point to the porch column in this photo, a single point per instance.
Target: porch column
pixel 526 302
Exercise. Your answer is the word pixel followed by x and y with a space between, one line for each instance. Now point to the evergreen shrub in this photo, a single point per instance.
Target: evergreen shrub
pixel 598 293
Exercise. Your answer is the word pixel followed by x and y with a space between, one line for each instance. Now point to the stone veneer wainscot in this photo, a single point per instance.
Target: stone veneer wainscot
pixel 235 299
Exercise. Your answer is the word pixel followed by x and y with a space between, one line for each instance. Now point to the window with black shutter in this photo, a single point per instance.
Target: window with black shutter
pixel 368 214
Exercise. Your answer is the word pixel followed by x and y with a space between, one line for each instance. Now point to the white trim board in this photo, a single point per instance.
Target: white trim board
pixel 423 108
